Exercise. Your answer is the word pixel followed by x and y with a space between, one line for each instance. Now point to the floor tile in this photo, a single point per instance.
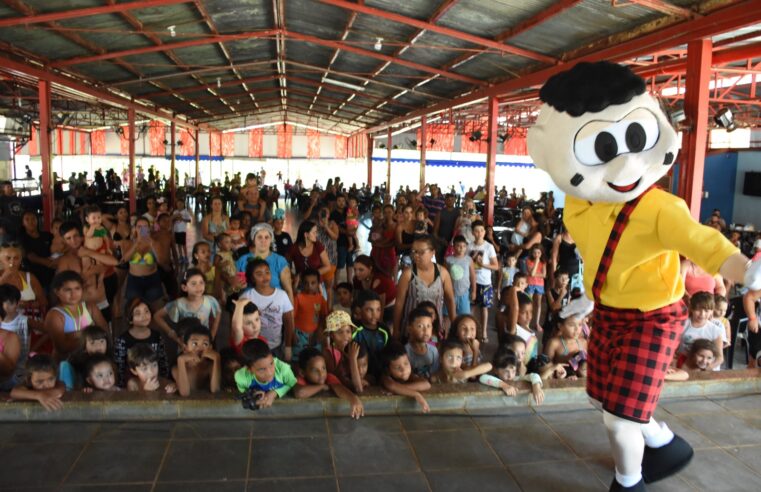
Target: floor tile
pixel 211 429
pixel 113 462
pixel 528 444
pixel 222 486
pixel 205 460
pixel 295 457
pixel 294 485
pixel 146 487
pixel 38 433
pixel 690 406
pixel 692 436
pixel 716 470
pixel 565 476
pixel 289 427
pixel 452 449
pixel 587 439
pixel 560 414
pixel 505 417
pixel 750 455
pixel 433 422
pixel 379 452
pixel 134 431
pixel 402 482
pixel 36 464
pixel 482 479
pixel 724 429
pixel 740 402
pixel 340 425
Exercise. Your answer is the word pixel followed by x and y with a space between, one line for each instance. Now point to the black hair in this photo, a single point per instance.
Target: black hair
pixel 192 326
pixel 96 359
pixel 254 350
pixel 195 249
pixel 560 272
pixel 253 265
pixel 306 355
pixel 459 239
pixel 304 229
pixel 190 273
pixel 94 332
pixel 66 276
pixel 250 308
pixel 450 344
pixel 366 296
pixel 390 353
pixel 9 293
pixel 477 223
pixel 510 339
pixel 523 299
pixel 345 285
pixel 310 272
pixel 135 303
pixel 505 357
pixel 140 354
pixel 219 238
pixel 68 226
pixel 418 312
pixel 40 363
pixel 518 276
pixel 591 87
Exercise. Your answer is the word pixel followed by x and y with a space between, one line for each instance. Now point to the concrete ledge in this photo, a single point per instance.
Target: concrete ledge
pixel 126 406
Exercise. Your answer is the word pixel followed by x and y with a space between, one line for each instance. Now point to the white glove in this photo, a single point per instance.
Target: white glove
pixel 578 307
pixel 752 278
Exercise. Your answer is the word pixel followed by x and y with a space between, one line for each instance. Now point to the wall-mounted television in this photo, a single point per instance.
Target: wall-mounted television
pixel 752 184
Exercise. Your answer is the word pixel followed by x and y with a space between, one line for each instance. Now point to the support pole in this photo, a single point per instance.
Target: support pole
pixel 694 140
pixel 369 145
pixel 198 158
pixel 388 164
pixel 423 140
pixel 48 206
pixel 132 184
pixel 172 170
pixel 491 160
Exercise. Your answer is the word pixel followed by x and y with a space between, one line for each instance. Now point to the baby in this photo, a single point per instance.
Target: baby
pixel 96 236
pixel 100 374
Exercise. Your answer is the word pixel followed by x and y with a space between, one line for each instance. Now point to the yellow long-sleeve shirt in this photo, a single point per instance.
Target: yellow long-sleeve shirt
pixel 645 271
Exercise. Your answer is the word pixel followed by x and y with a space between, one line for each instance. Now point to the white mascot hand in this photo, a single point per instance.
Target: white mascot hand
pixel 753 276
pixel 578 307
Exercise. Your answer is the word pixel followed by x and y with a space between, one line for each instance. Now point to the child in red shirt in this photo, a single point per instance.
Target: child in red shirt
pixel 246 324
pixel 310 310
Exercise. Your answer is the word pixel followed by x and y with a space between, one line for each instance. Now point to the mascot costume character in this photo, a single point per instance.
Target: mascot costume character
pixel 605 142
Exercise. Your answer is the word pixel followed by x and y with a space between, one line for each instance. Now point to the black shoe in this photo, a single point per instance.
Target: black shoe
pixel 637 487
pixel 659 463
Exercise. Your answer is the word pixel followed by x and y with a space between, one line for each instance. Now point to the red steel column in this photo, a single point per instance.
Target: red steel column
pixel 694 140
pixel 423 140
pixel 172 188
pixel 198 157
pixel 132 184
pixel 369 145
pixel 48 206
pixel 491 160
pixel 388 164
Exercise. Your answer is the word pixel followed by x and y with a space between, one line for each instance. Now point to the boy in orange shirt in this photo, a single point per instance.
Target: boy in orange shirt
pixel 310 311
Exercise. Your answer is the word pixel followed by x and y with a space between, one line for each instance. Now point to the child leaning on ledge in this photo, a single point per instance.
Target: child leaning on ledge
pixel 397 376
pixel 315 378
pixel 143 364
pixel 504 375
pixel 41 384
pixel 199 365
pixel 264 374
pixel 452 371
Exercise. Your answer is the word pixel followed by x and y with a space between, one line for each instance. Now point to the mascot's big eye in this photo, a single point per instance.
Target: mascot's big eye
pixel 599 141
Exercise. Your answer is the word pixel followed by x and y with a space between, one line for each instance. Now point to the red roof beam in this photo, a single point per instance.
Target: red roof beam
pixel 166 47
pixel 446 31
pixel 374 54
pixel 85 12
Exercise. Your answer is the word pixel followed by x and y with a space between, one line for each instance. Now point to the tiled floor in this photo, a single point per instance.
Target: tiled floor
pixel 552 449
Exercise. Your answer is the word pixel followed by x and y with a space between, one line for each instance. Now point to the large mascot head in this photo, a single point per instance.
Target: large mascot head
pixel 599 135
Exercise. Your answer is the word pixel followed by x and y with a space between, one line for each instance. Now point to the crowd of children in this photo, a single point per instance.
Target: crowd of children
pixel 235 323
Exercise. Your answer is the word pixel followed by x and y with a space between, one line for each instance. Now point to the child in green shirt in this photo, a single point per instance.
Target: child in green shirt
pixel 266 375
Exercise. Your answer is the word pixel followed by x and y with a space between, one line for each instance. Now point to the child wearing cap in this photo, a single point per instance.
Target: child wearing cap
pixel 346 359
pixel 283 240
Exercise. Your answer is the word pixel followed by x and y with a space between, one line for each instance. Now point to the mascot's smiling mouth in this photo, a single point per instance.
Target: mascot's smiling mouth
pixel 625 188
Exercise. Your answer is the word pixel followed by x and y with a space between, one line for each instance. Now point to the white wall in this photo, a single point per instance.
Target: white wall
pixel 747 209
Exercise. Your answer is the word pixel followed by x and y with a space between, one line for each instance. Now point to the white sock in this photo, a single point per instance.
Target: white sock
pixel 656 435
pixel 628 480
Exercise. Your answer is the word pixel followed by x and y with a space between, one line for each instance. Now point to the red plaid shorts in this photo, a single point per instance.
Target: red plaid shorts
pixel 629 352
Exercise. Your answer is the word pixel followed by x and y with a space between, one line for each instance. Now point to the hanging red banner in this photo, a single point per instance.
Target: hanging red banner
pixel 474 137
pixel 98 142
pixel 72 142
pixel 228 144
pixel 284 141
pixel 313 144
pixel 124 137
pixel 516 142
pixel 340 147
pixel 440 137
pixel 215 143
pixel 256 142
pixel 59 141
pixel 82 143
pixel 188 147
pixel 156 137
pixel 33 150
